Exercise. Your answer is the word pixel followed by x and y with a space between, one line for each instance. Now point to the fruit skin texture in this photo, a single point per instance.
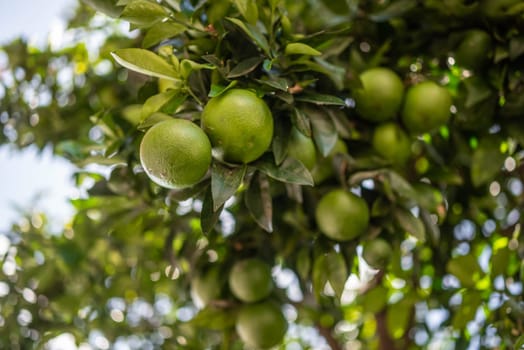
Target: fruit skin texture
pixel 323 169
pixel 473 52
pixel 426 107
pixel 175 153
pixel 250 280
pixel 206 287
pixel 261 325
pixel 302 148
pixel 377 253
pixel 239 125
pixel 342 215
pixel 392 143
pixel 381 94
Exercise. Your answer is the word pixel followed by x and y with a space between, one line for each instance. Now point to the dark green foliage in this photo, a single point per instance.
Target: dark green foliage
pixel 123 266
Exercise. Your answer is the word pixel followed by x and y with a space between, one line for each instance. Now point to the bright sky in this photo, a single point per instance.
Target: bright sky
pixel 27 175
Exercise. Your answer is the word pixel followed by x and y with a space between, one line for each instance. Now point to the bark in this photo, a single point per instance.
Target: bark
pixel 330 339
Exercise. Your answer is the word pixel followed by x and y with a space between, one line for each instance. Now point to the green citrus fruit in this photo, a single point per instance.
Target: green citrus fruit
pixel 250 280
pixel 261 325
pixel 175 153
pixel 377 253
pixel 239 125
pixel 392 143
pixel 323 169
pixel 427 107
pixel 342 215
pixel 302 148
pixel 206 287
pixel 381 94
pixel 474 50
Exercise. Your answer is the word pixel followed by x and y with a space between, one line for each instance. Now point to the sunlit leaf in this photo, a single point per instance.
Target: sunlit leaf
pixel 162 31
pixel 143 12
pixel 301 49
pixel 145 62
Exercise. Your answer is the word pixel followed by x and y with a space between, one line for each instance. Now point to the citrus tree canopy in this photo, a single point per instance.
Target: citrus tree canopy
pixel 321 174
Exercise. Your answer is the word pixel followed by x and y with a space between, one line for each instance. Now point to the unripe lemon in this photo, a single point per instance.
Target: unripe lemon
pixel 377 253
pixel 427 107
pixel 175 153
pixel 392 143
pixel 261 325
pixel 250 280
pixel 239 125
pixel 381 94
pixel 302 148
pixel 342 215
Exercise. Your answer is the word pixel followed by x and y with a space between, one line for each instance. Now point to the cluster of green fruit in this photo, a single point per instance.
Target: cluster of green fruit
pixel 423 108
pixel 260 322
pixel 236 125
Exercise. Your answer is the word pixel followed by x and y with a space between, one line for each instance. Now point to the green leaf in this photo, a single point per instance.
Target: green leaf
pixel 374 300
pixel 143 12
pixel 411 224
pixel 225 181
pixel 303 263
pixel 101 160
pixel 500 261
pixel 395 9
pixel 214 318
pixel 487 161
pixel 301 49
pixel 336 271
pixel 516 46
pixel 209 216
pixel 301 122
pixel 321 99
pixel 290 171
pixel 258 201
pixel 477 91
pixel 466 268
pixel 519 343
pixel 152 120
pixel 397 318
pixel 188 66
pixel 464 314
pixel 145 62
pixel 162 31
pixel 155 103
pixel 217 90
pixel 280 141
pixel 399 185
pixel 244 67
pixel 324 130
pixel 248 9
pixel 107 7
pixel 276 83
pixel 258 38
pixel 319 277
pixel 331 268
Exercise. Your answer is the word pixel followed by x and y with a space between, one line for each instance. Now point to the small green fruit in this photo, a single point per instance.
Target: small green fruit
pixel 427 107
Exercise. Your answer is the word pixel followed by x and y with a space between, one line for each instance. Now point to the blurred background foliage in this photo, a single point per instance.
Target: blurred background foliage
pixel 118 275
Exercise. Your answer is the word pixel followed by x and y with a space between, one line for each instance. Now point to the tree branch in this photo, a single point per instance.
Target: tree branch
pixel 330 339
